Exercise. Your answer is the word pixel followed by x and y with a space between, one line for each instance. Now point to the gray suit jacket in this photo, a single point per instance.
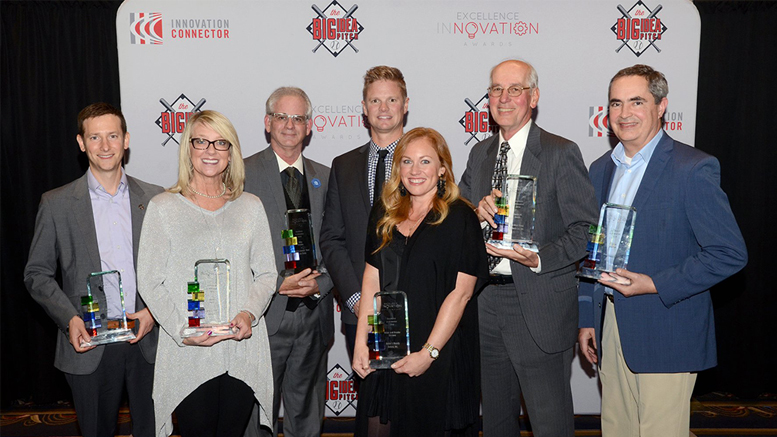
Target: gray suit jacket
pixel 65 235
pixel 263 180
pixel 566 206
pixel 344 232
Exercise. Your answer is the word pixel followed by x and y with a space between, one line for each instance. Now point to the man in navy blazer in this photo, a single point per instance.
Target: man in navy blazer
pixel 654 321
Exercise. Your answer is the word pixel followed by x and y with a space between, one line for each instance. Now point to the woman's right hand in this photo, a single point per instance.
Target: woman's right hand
pixel 361 361
pixel 207 339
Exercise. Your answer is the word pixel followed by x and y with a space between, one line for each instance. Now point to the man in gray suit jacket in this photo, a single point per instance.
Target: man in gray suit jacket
pixel 90 225
pixel 528 312
pixel 355 184
pixel 300 318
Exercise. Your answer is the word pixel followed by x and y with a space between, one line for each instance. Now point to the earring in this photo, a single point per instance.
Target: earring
pixel 440 188
pixel 402 190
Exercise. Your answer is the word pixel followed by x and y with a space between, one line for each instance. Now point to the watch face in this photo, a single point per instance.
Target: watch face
pixel 435 353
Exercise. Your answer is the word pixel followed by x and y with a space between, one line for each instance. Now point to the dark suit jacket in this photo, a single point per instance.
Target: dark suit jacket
pixel 565 209
pixel 263 180
pixel 687 240
pixel 344 231
pixel 65 234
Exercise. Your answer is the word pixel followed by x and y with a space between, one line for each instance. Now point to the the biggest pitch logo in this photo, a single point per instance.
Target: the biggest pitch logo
pixel 173 119
pixel 638 28
pixel 340 390
pixel 476 120
pixel 335 28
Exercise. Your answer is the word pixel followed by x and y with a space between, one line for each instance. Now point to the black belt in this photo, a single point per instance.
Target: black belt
pixel 500 279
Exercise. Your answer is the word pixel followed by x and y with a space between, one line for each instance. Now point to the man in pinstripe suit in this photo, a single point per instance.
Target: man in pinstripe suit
pixel 528 312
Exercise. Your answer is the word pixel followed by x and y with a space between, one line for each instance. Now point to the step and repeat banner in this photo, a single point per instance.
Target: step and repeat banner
pixel 180 57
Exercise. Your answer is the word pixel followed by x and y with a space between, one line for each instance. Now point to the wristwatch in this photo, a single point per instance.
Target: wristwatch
pixel 433 351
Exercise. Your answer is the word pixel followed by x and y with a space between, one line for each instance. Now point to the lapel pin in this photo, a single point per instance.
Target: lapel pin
pixel 141 207
pixel 316 183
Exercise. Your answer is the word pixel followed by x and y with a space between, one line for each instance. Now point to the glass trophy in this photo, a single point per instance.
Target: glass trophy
pixel 389 337
pixel 299 247
pixel 208 299
pixel 101 329
pixel 515 214
pixel 609 242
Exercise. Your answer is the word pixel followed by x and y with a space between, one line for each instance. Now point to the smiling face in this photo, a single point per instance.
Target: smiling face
pixel 208 164
pixel 420 168
pixel 104 143
pixel 635 117
pixel 512 113
pixel 286 137
pixel 385 108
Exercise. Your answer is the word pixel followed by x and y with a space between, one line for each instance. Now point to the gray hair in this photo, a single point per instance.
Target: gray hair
pixel 288 91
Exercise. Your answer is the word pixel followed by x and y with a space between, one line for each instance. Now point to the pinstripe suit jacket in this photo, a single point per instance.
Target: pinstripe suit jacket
pixel 566 206
pixel 65 235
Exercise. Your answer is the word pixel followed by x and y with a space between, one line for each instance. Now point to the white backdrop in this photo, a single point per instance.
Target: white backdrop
pixel 176 57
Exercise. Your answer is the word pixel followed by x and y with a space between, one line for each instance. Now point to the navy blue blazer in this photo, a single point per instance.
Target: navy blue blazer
pixel 687 240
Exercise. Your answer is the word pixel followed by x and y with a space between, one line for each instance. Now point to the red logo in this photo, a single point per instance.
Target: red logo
pixel 173 119
pixel 598 122
pixel 335 28
pixel 476 121
pixel 146 28
pixel 638 28
pixel 340 390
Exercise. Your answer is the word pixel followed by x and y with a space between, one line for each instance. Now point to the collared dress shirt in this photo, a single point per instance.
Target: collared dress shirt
pixel 113 223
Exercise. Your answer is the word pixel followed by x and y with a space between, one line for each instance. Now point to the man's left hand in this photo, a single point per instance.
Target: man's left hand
pixel 302 284
pixel 144 321
pixel 629 283
pixel 517 254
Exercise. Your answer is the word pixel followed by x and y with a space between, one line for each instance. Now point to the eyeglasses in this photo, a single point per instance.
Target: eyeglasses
pixel 283 117
pixel 203 144
pixel 513 91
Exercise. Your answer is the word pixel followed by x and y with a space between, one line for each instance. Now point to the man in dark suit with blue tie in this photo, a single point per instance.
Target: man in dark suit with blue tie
pixel 528 312
pixel 355 183
pixel 91 225
pixel 653 322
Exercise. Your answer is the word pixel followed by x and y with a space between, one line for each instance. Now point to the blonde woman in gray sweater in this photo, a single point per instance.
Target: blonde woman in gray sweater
pixel 211 381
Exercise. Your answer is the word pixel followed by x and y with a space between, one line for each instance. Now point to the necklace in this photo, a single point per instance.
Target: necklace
pixel 414 225
pixel 223 191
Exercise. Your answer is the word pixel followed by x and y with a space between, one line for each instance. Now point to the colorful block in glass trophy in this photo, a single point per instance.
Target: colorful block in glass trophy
pixel 107 323
pixel 515 214
pixel 208 299
pixel 609 242
pixel 389 338
pixel 299 248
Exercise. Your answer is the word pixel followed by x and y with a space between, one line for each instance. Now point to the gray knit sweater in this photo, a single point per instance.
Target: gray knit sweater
pixel 176 233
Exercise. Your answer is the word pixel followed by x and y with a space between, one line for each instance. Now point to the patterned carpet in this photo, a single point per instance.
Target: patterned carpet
pixel 716 414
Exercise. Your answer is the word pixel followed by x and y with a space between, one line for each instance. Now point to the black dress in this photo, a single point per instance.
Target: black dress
pixel 425 266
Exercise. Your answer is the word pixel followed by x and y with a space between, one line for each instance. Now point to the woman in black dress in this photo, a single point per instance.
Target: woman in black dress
pixel 425 240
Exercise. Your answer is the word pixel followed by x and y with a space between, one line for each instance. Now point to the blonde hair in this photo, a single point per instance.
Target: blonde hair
pixel 397 207
pixel 383 72
pixel 233 177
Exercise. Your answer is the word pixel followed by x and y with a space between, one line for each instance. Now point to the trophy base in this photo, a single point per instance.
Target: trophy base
pixel 288 272
pixel 594 274
pixel 112 336
pixel 217 329
pixel 384 363
pixel 504 244
pixel 585 272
